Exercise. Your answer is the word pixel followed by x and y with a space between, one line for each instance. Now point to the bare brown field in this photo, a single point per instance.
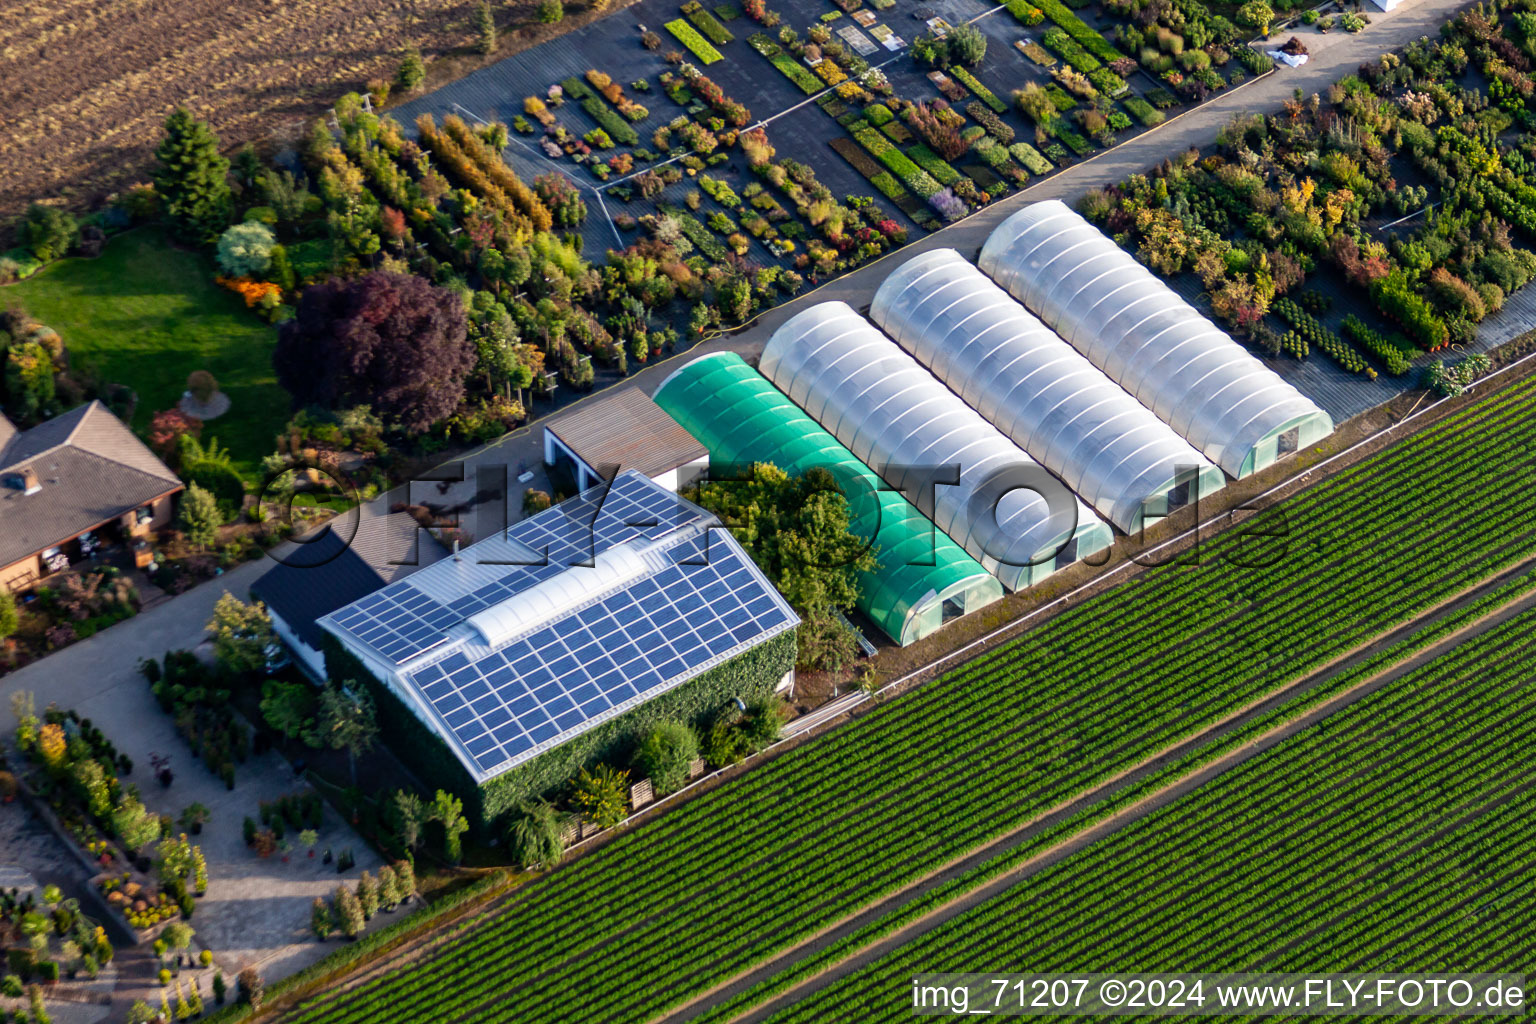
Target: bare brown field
pixel 87 83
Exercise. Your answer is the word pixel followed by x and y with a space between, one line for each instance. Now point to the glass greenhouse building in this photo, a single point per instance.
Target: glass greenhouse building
pixel 1147 339
pixel 1039 391
pixel 923 578
pixel 900 420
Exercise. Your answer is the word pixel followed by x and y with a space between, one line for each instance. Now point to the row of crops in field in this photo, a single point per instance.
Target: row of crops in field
pixel 1394 835
pixel 721 883
pixel 1245 730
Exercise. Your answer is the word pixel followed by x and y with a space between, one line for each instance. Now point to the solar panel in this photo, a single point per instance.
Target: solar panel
pixel 703 601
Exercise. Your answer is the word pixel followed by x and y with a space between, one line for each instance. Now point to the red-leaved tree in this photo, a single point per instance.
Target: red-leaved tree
pixel 392 341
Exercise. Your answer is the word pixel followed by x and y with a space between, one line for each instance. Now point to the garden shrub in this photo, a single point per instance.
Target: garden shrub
pixel 665 754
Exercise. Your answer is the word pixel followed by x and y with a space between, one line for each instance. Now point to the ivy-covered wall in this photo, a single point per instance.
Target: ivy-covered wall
pixel 748 676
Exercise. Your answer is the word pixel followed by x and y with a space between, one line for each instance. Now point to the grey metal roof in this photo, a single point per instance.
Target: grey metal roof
pixel 90 468
pixel 628 430
pixel 347 558
pixel 1145 338
pixel 1038 390
pixel 901 422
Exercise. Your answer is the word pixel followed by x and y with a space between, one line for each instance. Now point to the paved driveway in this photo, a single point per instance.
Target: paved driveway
pixel 256 911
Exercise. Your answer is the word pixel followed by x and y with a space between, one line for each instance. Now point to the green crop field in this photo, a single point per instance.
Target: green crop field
pixel 1395 835
pixel 721 883
pixel 146 313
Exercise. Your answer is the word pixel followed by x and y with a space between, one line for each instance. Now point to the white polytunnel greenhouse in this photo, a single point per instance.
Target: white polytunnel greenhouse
pixel 1147 339
pixel 1039 391
pixel 1000 505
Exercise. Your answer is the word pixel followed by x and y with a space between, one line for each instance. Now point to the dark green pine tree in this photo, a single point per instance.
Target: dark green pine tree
pixel 192 178
pixel 485 26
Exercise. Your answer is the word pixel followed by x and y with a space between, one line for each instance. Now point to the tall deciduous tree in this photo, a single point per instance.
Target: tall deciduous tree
pixel 287 707
pixel 797 531
pixel 410 815
pixel 135 826
pixel 391 341
pixel 349 912
pixel 241 634
pixel 448 811
pixel 345 721
pixel 192 178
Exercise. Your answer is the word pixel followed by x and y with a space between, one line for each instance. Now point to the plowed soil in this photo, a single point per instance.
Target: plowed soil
pixel 88 83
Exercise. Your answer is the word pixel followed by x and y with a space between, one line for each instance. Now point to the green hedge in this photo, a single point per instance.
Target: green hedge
pixel 1031 158
pixel 1067 47
pixel 1026 13
pixel 1143 111
pixel 1071 139
pixel 707 23
pixel 863 163
pixel 934 164
pixel 981 92
pixel 1080 30
pixel 796 72
pixel 618 128
pixel 897 162
pixel 748 676
pixel 697 44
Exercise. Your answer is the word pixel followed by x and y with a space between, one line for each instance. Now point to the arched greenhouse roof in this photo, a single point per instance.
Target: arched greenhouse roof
pixel 1039 391
pixel 742 418
pixel 901 421
pixel 1147 339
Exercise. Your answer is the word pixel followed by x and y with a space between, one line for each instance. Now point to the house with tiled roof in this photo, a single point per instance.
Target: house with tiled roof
pixel 72 484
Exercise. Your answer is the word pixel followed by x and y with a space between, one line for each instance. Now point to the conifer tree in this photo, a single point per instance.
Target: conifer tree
pixel 389 888
pixel 192 178
pixel 485 26
pixel 368 894
pixel 412 71
pixel 349 912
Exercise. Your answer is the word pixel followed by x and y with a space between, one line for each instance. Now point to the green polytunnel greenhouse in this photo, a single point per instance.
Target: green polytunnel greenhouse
pixel 923 578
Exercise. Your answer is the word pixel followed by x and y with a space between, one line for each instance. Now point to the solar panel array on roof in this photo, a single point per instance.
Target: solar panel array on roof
pixel 699 601
pixel 399 622
pixel 510 703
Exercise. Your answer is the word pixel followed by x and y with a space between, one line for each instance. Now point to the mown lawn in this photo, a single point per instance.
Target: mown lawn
pixel 146 314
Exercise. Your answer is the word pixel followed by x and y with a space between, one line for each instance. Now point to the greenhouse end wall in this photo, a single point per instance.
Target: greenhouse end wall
pixel 1130 324
pixel 1039 391
pixel 1006 510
